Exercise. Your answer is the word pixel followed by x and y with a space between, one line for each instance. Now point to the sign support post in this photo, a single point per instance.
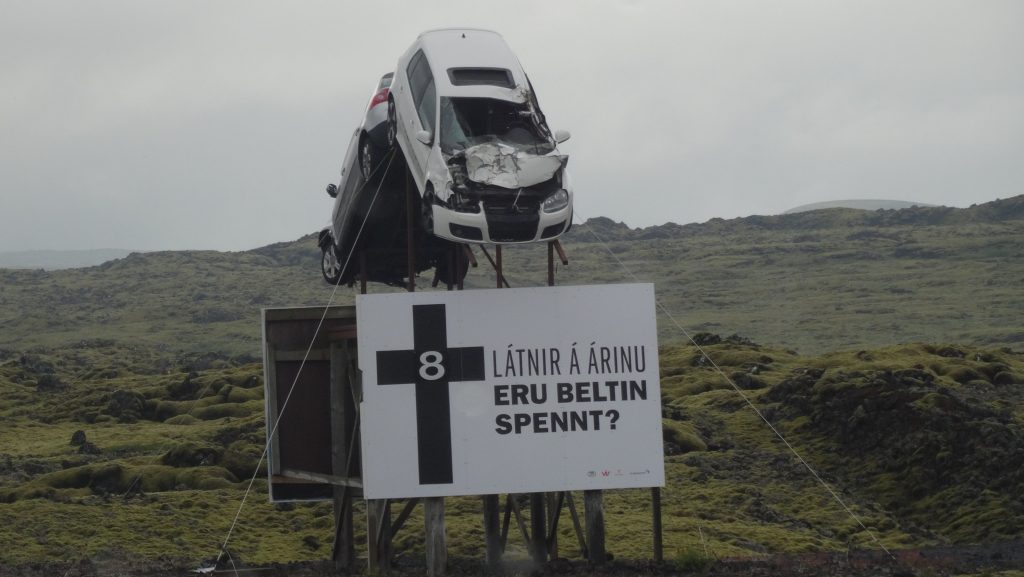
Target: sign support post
pixel 593 510
pixel 492 531
pixel 342 417
pixel 378 522
pixel 435 545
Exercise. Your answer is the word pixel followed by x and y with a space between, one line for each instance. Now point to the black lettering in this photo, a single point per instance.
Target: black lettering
pixel 610 390
pixel 579 420
pixel 504 426
pixel 533 362
pixel 539 399
pixel 565 392
pixel 540 423
pixel 637 390
pixel 522 420
pixel 519 393
pixel 501 394
pixel 555 358
pixel 606 357
pixel 559 421
pixel 582 394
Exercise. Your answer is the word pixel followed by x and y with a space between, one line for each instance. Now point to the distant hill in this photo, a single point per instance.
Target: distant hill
pixel 860 204
pixel 59 259
pixel 814 281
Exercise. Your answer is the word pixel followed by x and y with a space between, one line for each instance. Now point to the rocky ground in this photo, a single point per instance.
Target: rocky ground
pixel 1006 558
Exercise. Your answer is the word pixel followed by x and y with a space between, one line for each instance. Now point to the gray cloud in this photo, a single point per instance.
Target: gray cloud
pixel 194 124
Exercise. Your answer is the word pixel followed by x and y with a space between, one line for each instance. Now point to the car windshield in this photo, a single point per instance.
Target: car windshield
pixel 467 122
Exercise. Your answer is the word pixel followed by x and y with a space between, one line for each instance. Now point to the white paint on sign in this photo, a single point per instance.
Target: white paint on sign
pixel 514 390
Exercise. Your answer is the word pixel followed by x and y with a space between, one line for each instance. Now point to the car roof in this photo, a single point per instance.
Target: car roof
pixel 447 48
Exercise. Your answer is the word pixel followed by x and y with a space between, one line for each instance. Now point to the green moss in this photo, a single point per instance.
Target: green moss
pixel 683 436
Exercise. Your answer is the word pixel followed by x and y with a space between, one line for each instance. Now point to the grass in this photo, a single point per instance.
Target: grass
pixel 159 488
pixel 153 358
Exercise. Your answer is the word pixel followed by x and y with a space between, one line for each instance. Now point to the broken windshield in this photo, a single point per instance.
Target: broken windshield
pixel 467 122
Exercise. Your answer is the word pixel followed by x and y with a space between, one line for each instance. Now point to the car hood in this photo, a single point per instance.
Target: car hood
pixel 498 164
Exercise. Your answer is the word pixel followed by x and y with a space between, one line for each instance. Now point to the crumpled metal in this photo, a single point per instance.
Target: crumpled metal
pixel 498 164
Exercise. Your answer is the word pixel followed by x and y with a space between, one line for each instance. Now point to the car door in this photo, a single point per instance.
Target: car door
pixel 423 115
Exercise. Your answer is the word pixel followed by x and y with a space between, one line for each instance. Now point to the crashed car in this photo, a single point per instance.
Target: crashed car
pixel 478 147
pixel 367 232
pixel 372 135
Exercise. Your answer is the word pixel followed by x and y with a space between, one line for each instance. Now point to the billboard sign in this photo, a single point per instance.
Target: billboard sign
pixel 509 391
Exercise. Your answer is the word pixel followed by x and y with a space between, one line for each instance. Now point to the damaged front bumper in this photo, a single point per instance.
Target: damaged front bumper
pixel 500 195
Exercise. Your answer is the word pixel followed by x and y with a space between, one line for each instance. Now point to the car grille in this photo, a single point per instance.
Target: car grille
pixel 516 227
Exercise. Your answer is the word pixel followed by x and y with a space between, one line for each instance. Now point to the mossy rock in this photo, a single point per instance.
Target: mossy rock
pixel 1007 378
pixel 190 455
pixel 223 410
pixel 681 437
pixel 241 459
pixel 126 406
pixel 100 478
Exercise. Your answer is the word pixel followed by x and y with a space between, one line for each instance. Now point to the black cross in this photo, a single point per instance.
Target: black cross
pixel 431 365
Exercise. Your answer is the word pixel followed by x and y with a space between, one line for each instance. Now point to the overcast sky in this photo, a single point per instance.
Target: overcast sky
pixel 198 124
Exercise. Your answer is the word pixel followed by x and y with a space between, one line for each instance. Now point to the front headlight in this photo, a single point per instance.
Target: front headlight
pixel 556 201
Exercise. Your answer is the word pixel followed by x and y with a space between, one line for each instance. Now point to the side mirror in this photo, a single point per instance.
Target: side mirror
pixel 332 190
pixel 425 137
pixel 561 136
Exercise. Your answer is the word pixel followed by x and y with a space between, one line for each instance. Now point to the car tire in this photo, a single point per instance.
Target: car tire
pixel 391 134
pixel 369 157
pixel 329 265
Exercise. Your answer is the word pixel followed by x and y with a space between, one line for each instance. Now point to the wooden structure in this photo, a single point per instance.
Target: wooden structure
pixel 310 365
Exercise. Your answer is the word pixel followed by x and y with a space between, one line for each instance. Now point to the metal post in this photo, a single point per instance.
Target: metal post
pixel 344 552
pixel 449 255
pixel 497 264
pixel 561 253
pixel 378 535
pixel 410 216
pixel 538 528
pixel 364 274
pixel 551 263
pixel 492 531
pixel 555 501
pixel 656 514
pixel 593 510
pixel 435 541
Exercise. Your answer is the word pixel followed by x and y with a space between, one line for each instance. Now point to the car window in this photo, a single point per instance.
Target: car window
pixel 475 76
pixel 470 121
pixel 420 80
pixel 542 122
pixel 427 107
pixel 410 69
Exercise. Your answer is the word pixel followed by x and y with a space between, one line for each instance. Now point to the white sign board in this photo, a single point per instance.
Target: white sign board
pixel 509 391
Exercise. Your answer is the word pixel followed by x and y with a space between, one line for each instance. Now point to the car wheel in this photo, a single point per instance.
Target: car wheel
pixel 329 265
pixel 392 124
pixel 368 157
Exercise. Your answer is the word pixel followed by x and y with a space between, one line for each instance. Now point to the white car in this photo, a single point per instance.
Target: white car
pixel 484 161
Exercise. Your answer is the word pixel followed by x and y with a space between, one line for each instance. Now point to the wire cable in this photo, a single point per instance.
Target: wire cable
pixel 309 349
pixel 738 390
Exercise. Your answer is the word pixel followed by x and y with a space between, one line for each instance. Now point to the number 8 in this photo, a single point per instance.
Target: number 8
pixel 431 368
